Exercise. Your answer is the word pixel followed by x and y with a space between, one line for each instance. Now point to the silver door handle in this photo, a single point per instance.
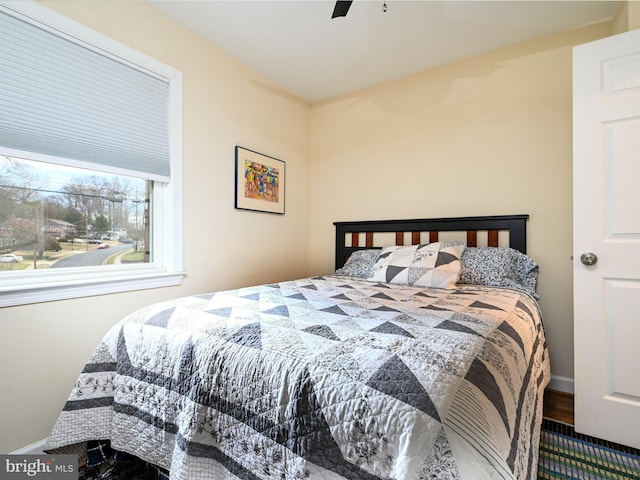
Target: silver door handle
pixel 589 258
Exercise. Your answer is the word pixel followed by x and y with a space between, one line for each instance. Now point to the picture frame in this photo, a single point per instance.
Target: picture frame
pixel 260 182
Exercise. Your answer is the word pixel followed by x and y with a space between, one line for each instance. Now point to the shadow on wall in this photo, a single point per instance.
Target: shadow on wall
pixel 422 90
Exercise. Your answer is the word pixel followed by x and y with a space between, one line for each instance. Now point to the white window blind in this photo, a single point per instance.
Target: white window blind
pixel 69 101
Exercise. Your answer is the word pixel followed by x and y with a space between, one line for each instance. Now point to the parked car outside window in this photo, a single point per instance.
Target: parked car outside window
pixel 10 258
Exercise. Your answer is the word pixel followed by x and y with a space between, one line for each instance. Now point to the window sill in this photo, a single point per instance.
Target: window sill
pixel 70 285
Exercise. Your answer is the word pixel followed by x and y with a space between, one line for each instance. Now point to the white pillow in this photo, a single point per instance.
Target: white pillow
pixel 435 265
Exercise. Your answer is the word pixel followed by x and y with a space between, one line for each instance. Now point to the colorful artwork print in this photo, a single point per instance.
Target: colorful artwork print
pixel 262 182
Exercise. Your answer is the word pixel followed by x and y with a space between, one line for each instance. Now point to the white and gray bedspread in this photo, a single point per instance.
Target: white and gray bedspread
pixel 328 377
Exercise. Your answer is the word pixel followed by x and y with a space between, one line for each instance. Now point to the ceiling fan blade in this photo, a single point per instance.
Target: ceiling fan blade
pixel 341 8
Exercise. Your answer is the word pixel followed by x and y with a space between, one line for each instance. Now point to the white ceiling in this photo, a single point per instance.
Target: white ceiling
pixel 299 47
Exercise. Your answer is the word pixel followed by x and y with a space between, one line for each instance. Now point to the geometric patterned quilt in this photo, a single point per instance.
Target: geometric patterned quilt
pixel 328 377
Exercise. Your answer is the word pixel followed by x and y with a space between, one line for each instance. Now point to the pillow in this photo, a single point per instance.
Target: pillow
pixel 499 267
pixel 360 262
pixel 434 265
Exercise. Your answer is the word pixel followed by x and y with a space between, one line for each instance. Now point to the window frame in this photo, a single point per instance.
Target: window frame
pixel 166 266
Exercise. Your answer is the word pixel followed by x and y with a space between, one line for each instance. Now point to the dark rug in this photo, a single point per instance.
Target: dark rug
pixel 567 454
pixel 104 463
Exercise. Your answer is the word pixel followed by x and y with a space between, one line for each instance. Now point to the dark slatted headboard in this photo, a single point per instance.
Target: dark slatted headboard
pixel 492 225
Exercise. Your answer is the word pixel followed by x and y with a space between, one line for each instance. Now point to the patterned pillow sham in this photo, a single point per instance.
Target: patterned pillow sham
pixel 499 267
pixel 360 263
pixel 435 265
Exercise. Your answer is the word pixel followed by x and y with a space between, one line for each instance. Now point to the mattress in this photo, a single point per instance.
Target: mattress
pixel 328 377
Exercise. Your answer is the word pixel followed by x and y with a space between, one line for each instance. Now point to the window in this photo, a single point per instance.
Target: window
pixel 90 162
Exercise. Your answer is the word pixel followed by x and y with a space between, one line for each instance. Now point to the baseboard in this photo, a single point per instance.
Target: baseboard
pixel 561 384
pixel 33 449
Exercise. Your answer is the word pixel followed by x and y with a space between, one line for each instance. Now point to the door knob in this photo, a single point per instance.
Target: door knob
pixel 589 258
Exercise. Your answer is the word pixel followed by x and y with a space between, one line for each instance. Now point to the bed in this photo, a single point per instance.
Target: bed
pixel 418 358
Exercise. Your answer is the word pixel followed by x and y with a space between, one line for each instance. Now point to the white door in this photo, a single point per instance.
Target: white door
pixel 606 212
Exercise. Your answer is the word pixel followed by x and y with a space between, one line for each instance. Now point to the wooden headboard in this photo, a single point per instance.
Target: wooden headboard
pixel 515 225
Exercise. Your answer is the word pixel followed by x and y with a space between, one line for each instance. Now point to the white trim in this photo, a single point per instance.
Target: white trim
pixel 89 288
pixel 32 449
pixel 561 384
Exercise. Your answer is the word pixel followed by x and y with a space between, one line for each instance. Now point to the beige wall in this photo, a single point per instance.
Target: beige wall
pixel 488 135
pixel 634 15
pixel 43 347
pixel 627 16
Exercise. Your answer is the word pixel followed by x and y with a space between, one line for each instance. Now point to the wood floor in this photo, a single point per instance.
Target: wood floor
pixel 558 406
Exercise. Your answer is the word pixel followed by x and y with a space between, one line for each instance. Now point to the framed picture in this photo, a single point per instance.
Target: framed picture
pixel 260 182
